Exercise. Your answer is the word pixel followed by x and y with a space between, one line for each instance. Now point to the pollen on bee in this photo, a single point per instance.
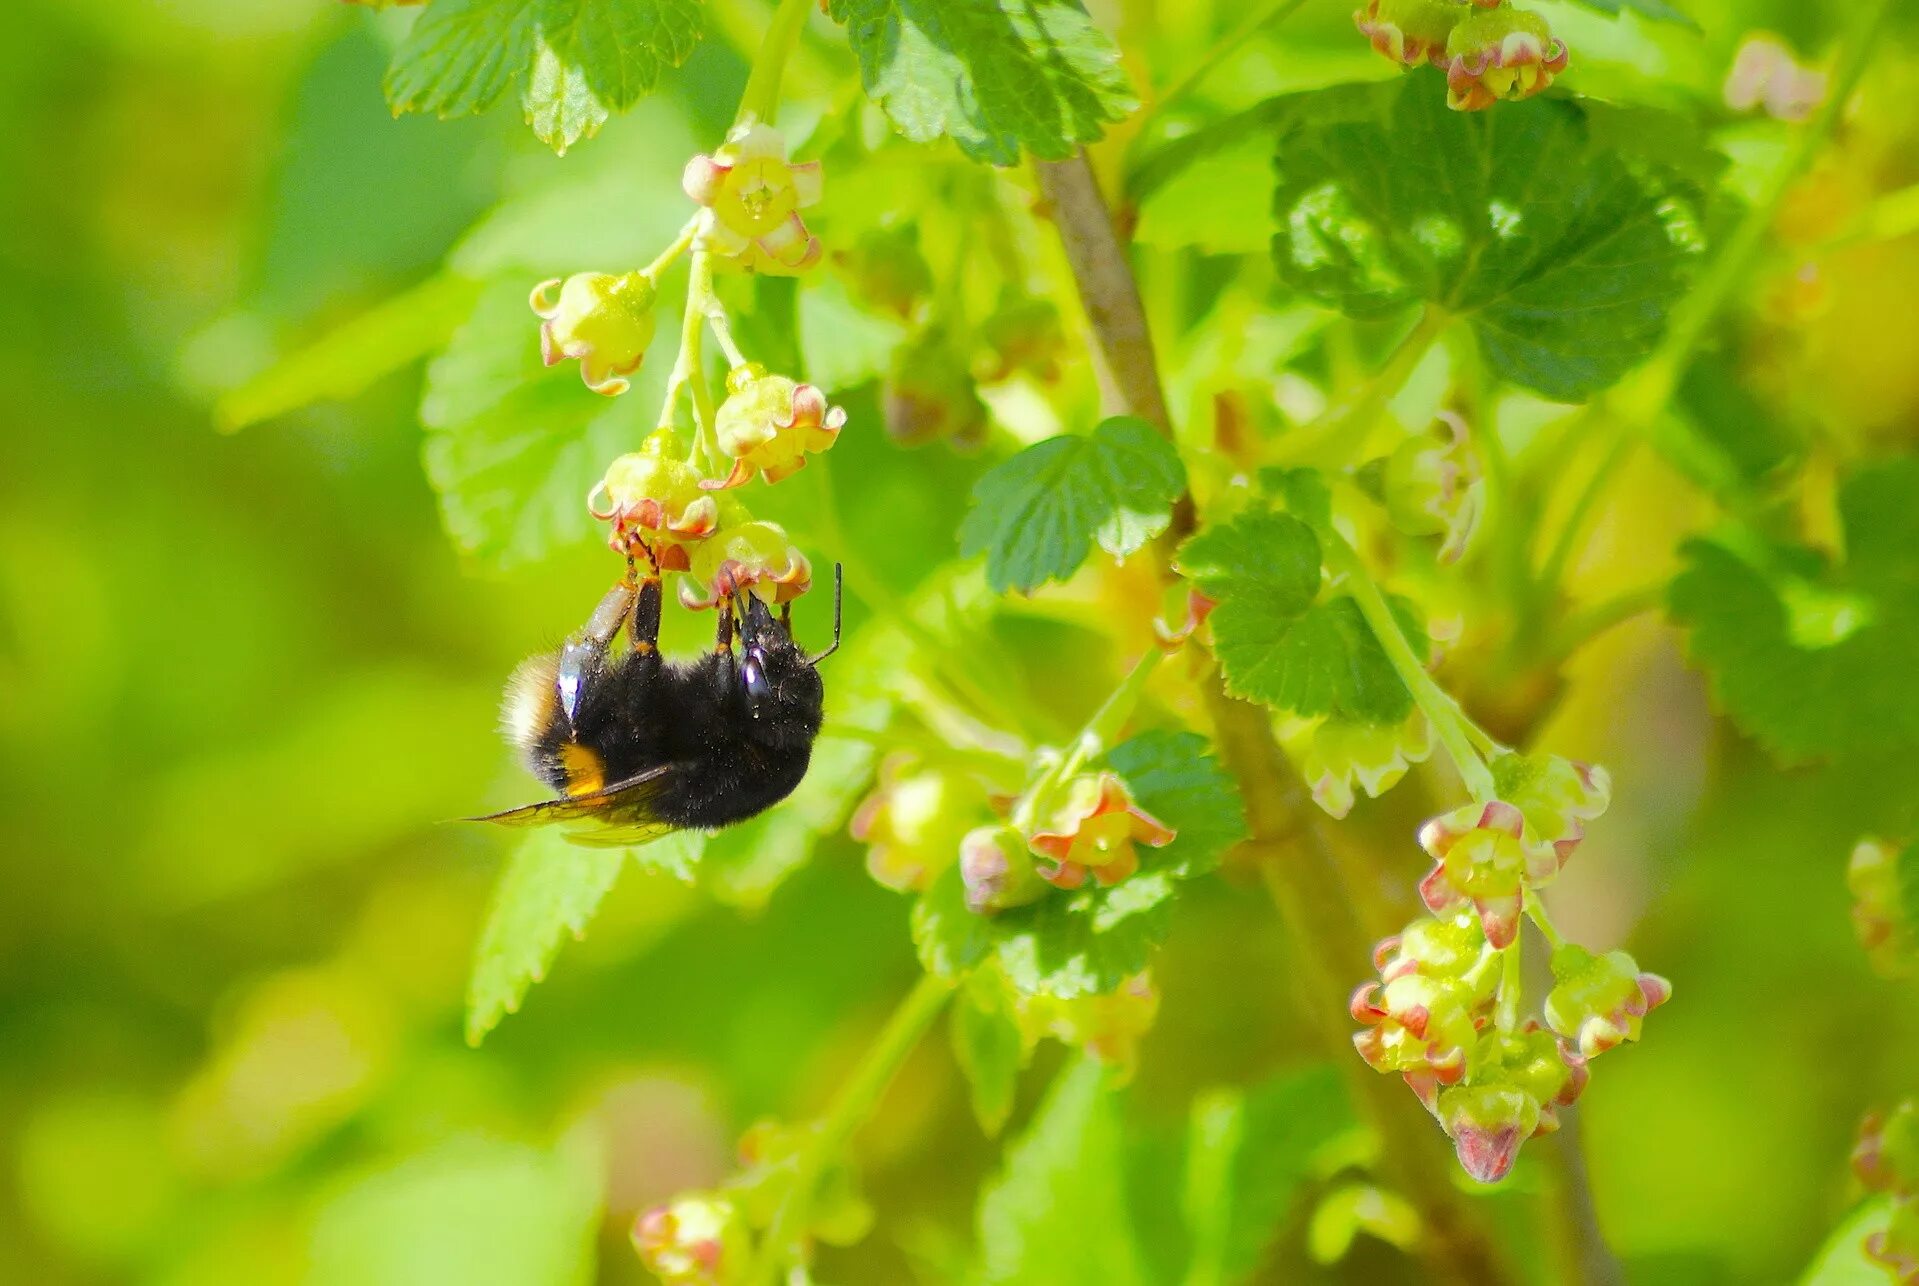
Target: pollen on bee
pixel 585 770
pixel 532 701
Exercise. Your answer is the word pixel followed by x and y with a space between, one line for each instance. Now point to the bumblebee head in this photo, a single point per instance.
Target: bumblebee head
pixel 782 690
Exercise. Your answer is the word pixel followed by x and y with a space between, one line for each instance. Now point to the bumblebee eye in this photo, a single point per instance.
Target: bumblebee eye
pixel 753 674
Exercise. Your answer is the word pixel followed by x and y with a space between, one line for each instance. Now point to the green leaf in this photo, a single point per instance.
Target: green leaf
pixel 1816 661
pixel 550 888
pixel 1279 646
pixel 1564 252
pixel 1092 939
pixel 513 446
pixel 989 1049
pixel 472 1211
pixel 1056 1215
pixel 992 75
pixel 1037 515
pixel 577 61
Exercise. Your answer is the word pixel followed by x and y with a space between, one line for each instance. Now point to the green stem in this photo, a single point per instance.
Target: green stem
pixel 1511 986
pixel 1330 438
pixel 1449 724
pixel 675 250
pixel 1272 12
pixel 761 99
pixel 699 304
pixel 850 1108
pixel 1536 912
pixel 1092 739
pixel 1553 570
pixel 1584 626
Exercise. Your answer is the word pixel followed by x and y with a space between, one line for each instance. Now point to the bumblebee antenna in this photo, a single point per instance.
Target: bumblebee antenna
pixel 839 586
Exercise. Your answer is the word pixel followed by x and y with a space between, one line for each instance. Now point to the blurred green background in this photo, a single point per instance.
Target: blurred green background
pixel 244 678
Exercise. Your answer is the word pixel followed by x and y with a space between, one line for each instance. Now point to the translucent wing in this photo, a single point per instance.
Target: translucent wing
pixel 612 817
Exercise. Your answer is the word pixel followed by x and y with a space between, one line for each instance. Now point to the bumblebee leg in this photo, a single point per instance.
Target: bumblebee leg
pixel 724 643
pixel 643 632
pixel 584 653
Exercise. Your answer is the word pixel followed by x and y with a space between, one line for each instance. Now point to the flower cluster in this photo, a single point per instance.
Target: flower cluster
pixel 1489 50
pixel 1446 1011
pixel 1886 1159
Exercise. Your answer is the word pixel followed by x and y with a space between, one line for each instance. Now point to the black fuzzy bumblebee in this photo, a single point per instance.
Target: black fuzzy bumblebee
pixel 638 746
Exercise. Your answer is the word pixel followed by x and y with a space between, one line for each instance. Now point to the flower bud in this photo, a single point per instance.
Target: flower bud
pixel 1599 1001
pixel 768 424
pixel 755 557
pixel 1437 948
pixel 1502 53
pixel 605 321
pixel 1410 32
pixel 1556 796
pixel 1514 1086
pixel 753 196
pixel 696 1240
pixel 998 871
pixel 655 505
pixel 1416 1024
pixel 1334 753
pixel 1486 857
pixel 913 823
pixel 1108 1026
pixel 1093 831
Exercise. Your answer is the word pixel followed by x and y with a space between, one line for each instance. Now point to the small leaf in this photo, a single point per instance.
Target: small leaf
pixel 1056 1215
pixel 1090 940
pixel 549 889
pixel 1036 515
pixel 989 1049
pixel 992 75
pixel 577 60
pixel 1564 252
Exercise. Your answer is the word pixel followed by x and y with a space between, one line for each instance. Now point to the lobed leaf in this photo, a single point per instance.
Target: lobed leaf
pixel 995 76
pixel 1037 515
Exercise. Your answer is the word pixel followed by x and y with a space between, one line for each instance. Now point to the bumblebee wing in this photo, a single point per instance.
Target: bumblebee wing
pixel 630 801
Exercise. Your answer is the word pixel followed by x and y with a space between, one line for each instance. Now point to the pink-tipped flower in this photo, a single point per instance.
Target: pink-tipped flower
pixel 1437 948
pixel 769 425
pixel 1336 754
pixel 1513 1089
pixel 753 196
pixel 605 321
pixel 998 871
pixel 753 557
pixel 1599 1001
pixel 1556 796
pixel 696 1240
pixel 1886 1158
pixel 1416 1024
pixel 1485 858
pixel 1108 1026
pixel 1878 907
pixel 1094 831
pixel 1766 73
pixel 1432 487
pixel 912 823
pixel 1410 32
pixel 1500 54
pixel 655 505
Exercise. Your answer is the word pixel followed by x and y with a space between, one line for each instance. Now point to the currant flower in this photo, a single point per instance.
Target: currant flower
pixel 1334 754
pixel 755 557
pixel 1417 1024
pixel 769 424
pixel 604 320
pixel 696 1240
pixel 1094 831
pixel 1502 53
pixel 1556 796
pixel 655 504
pixel 1434 947
pixel 998 871
pixel 1766 73
pixel 1599 1001
pixel 1485 856
pixel 1886 1159
pixel 1021 335
pixel 1878 907
pixel 1431 490
pixel 1514 1086
pixel 1410 32
pixel 912 823
pixel 753 196
pixel 1108 1026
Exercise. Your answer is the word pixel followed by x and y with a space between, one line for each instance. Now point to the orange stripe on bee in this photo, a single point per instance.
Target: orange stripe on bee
pixel 585 771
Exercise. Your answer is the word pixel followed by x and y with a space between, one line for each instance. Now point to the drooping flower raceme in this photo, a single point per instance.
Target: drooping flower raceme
pixel 753 196
pixel 769 424
pixel 602 319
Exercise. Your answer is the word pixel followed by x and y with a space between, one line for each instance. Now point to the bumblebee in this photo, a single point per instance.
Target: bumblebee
pixel 637 746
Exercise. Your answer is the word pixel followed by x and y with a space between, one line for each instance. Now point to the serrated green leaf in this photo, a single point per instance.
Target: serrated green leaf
pixel 1092 939
pixel 995 76
pixel 1816 661
pixel 513 446
pixel 1056 1215
pixel 989 1049
pixel 1037 515
pixel 1564 255
pixel 577 60
pixel 549 889
pixel 1271 554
